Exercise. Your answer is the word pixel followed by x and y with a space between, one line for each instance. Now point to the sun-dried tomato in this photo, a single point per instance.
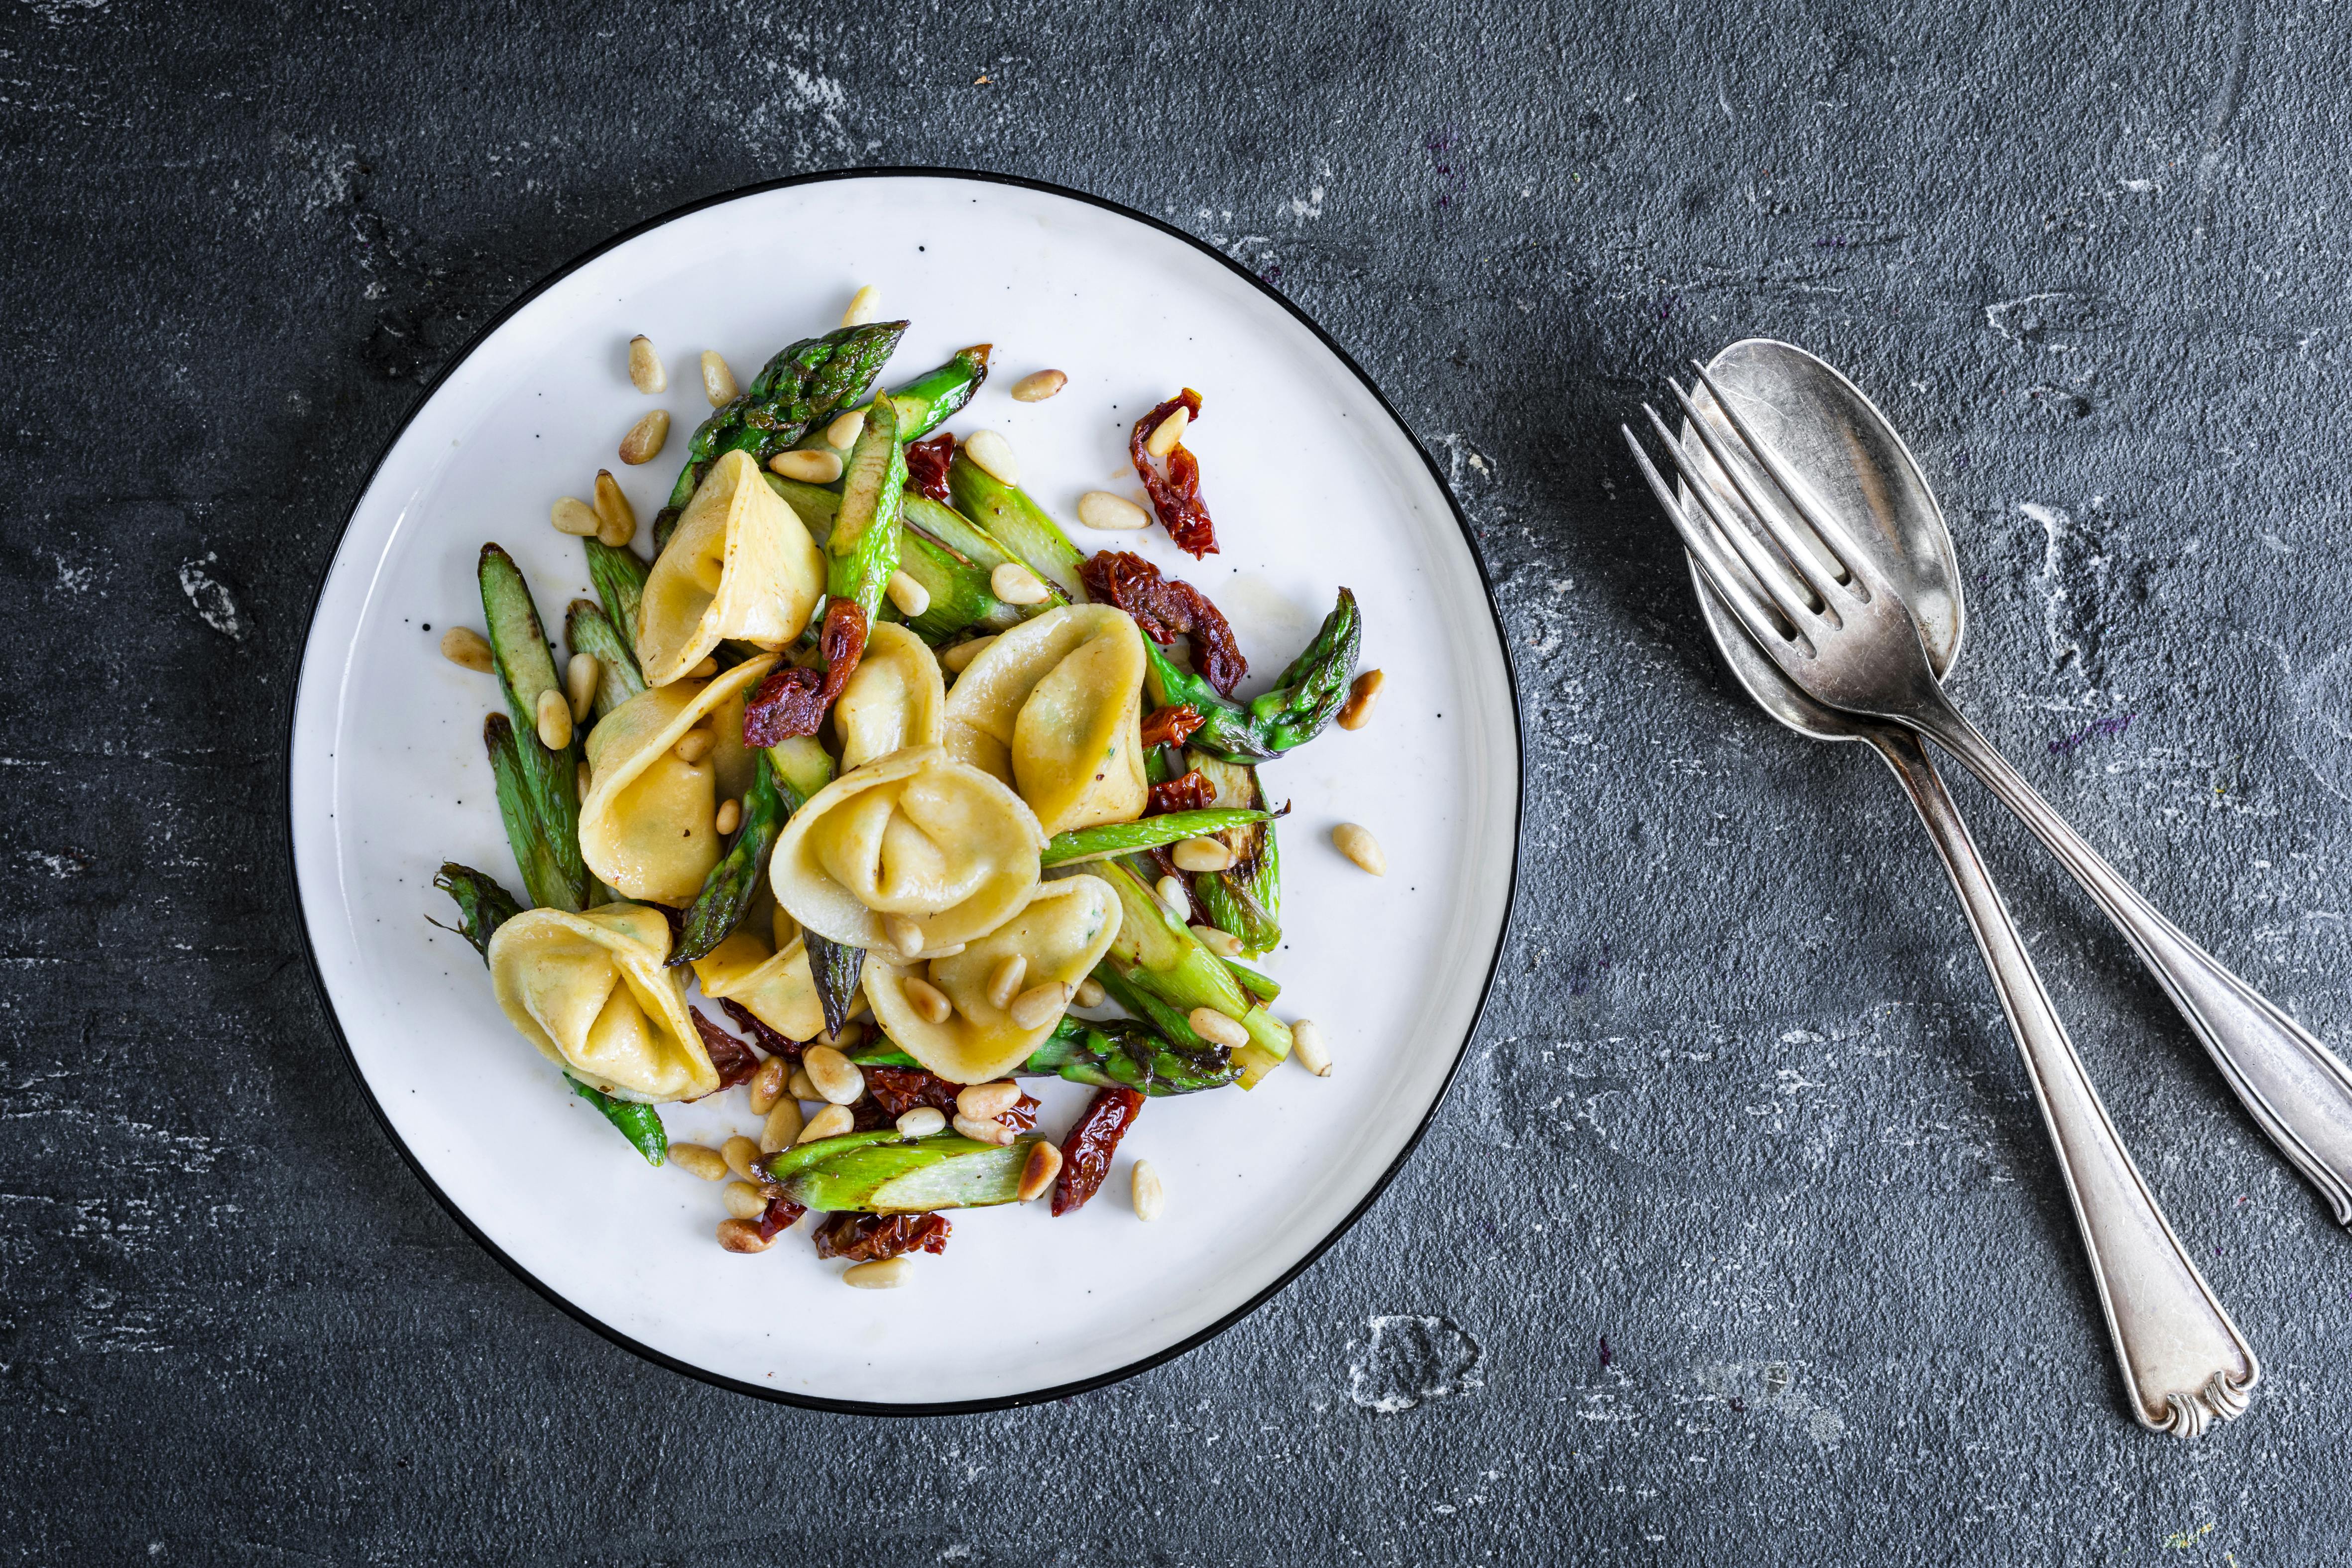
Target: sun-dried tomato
pixel 1189 790
pixel 1177 497
pixel 926 466
pixel 865 1237
pixel 731 1055
pixel 868 1114
pixel 1166 608
pixel 775 1042
pixel 1172 726
pixel 793 701
pixel 782 1213
pixel 677 919
pixel 1087 1151
pixel 900 1089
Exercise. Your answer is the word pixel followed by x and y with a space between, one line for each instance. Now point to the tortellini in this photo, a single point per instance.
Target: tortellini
pixel 1062 932
pixel 893 699
pixel 741 564
pixel 590 992
pixel 647 826
pixel 1055 707
pixel 775 984
pixel 915 834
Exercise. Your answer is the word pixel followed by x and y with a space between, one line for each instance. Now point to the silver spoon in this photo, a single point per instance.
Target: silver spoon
pixel 2183 1361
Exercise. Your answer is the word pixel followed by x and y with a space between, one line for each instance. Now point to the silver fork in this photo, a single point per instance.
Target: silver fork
pixel 1836 627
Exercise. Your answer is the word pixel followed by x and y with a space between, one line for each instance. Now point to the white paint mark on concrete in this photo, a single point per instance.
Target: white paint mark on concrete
pixel 214 607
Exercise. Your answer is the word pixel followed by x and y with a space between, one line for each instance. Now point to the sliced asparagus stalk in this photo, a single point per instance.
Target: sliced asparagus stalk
pixel 619 575
pixel 733 884
pixel 588 630
pixel 1146 833
pixel 550 788
pixel 544 879
pixel 1111 1051
pixel 1246 898
pixel 1018 523
pixel 1304 698
pixel 863 546
pixel 947 1171
pixel 789 1162
pixel 483 905
pixel 1160 956
pixel 640 1125
pixel 1115 978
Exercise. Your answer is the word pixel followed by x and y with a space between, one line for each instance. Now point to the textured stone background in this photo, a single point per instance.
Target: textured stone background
pixel 1737 1241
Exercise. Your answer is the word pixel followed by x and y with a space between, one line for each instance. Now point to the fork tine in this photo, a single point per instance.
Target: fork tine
pixel 1801 560
pixel 1770 574
pixel 1712 563
pixel 1828 529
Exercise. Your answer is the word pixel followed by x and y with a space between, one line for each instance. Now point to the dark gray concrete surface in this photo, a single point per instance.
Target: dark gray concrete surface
pixel 1737 1241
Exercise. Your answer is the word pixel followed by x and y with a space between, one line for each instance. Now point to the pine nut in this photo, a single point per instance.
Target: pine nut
pixel 903 935
pixel 580 678
pixel 989 1131
pixel 743 1200
pixel 614 511
pixel 928 1000
pixel 1307 1048
pixel 1151 1197
pixel 800 1086
pixel 1168 432
pixel 881 1274
pixel 554 720
pixel 717 380
pixel 958 658
pixel 1202 855
pixel 1040 1004
pixel 743 1156
pixel 768 1084
pixel 911 598
pixel 644 442
pixel 1044 1164
pixel 728 818
pixel 1357 845
pixel 782 1129
pixel 865 306
pixel 464 646
pixel 830 1122
pixel 645 372
pixel 1112 514
pixel 922 1121
pixel 697 1160
pixel 844 429
pixel 994 454
pixel 575 517
pixel 836 1078
pixel 704 668
pixel 1004 980
pixel 1361 697
pixel 695 746
pixel 1038 386
pixel 742 1235
pixel 582 778
pixel 1223 944
pixel 811 465
pixel 1091 993
pixel 1173 895
pixel 983 1101
pixel 1216 1029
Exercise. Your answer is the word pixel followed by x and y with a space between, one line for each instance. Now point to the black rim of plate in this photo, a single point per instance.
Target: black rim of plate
pixel 964 1406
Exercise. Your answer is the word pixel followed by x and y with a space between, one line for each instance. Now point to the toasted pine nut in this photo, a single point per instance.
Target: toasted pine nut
pixel 782 1127
pixel 836 1078
pixel 1357 845
pixel 1306 1047
pixel 697 1160
pixel 767 1085
pixel 644 442
pixel 800 1086
pixel 582 778
pixel 1361 697
pixel 844 429
pixel 1172 893
pixel 1223 944
pixel 728 818
pixel 1216 1029
pixel 865 306
pixel 982 1101
pixel 928 999
pixel 1091 993
pixel 695 746
pixel 743 1200
pixel 987 1131
pixel 580 678
pixel 717 380
pixel 645 372
pixel 743 1156
pixel 880 1274
pixel 902 933
pixel 1151 1197
pixel 994 453
pixel 1112 514
pixel 1168 432
pixel 922 1121
pixel 1004 980
pixel 1039 1006
pixel 614 511
pixel 813 466
pixel 1044 1164
pixel 958 658
pixel 1038 386
pixel 1202 855
pixel 554 720
pixel 575 517
pixel 704 668
pixel 465 647
pixel 830 1122
pixel 911 598
pixel 742 1235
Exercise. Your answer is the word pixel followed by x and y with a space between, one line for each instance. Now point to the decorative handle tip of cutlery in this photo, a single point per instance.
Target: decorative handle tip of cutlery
pixel 2224 1397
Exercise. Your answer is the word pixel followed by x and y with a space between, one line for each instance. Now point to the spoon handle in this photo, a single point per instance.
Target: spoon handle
pixel 2184 1363
pixel 2298 1091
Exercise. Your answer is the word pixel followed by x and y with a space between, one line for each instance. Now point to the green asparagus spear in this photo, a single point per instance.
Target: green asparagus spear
pixel 1146 833
pixel 789 1162
pixel 1114 977
pixel 1304 699
pixel 619 575
pixel 960 595
pixel 924 404
pixel 544 879
pixel 590 631
pixel 835 969
pixel 1264 987
pixel 784 777
pixel 1160 956
pixel 1018 523
pixel 1112 1052
pixel 947 1171
pixel 864 544
pixel 1246 898
pixel 483 905
pixel 640 1125
pixel 549 779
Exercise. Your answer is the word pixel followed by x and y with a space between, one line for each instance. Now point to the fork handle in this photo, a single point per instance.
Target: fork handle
pixel 2183 1361
pixel 2298 1091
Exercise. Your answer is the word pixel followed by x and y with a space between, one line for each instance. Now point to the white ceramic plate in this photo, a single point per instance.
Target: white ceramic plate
pixel 1313 482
